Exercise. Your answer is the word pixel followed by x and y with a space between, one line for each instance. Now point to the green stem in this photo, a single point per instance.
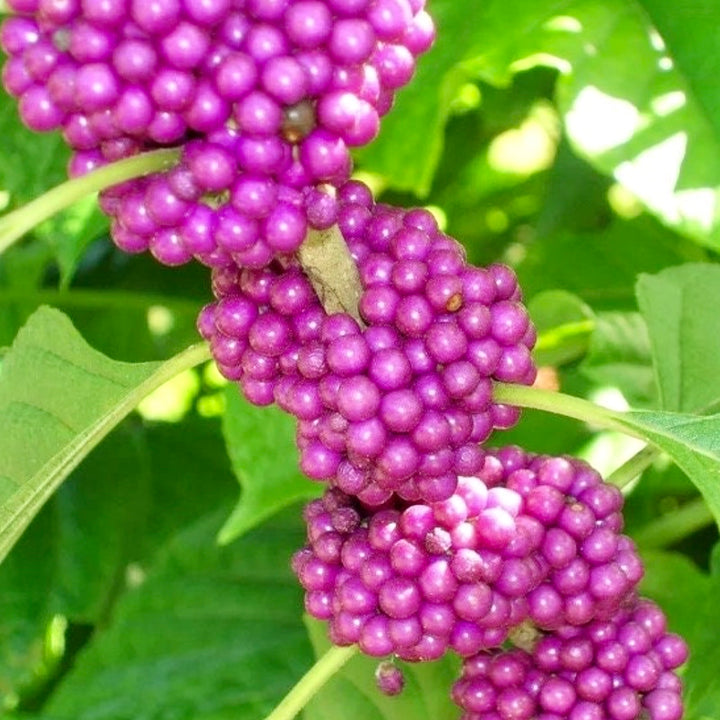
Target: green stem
pixel 675 526
pixel 15 224
pixel 561 404
pixel 311 682
pixel 633 467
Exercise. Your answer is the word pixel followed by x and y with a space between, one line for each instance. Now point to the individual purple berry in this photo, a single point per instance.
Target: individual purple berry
pixel 389 678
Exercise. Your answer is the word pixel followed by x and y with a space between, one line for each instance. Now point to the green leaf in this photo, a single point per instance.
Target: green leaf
pixel 118 507
pixel 30 164
pixel 21 270
pixel 664 490
pixel 692 442
pixel 58 399
pixel 688 30
pixel 660 137
pixel 261 446
pixel 70 233
pixel 209 633
pixel 619 356
pixel 123 324
pixel 576 196
pixel 638 109
pixel 564 324
pixel 486 205
pixel 680 307
pixel 602 267
pixel 129 306
pixel 689 598
pixel 426 695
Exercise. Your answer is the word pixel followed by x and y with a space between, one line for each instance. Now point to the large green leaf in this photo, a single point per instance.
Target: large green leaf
pixel 426 695
pixel 602 267
pixel 208 633
pixel 129 495
pixel 261 445
pixel 680 307
pixel 693 443
pixel 619 356
pixel 688 31
pixel 58 399
pixel 636 112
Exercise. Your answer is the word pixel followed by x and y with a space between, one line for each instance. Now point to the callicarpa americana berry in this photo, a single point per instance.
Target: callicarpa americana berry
pixel 389 678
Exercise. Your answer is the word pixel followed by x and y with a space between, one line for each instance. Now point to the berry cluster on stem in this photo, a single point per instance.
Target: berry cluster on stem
pixel 397 399
pixel 263 97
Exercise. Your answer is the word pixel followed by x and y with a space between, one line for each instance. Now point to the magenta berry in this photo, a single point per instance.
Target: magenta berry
pixel 388 676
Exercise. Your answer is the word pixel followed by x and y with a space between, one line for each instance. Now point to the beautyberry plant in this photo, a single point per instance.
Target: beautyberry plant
pixel 463 365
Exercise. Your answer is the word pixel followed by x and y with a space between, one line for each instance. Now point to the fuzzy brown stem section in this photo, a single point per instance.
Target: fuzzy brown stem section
pixel 327 262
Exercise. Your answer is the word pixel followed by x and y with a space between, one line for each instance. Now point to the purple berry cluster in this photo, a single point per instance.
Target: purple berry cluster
pixel 619 669
pixel 530 538
pixel 591 567
pixel 265 97
pixel 527 551
pixel 400 403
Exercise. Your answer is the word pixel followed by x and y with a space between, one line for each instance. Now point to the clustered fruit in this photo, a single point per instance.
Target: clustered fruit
pixel 424 541
pixel 263 96
pixel 529 553
pixel 397 401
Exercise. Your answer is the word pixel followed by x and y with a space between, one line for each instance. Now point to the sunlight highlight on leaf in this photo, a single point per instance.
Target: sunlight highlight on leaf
pixel 541 58
pixel 172 401
pixel 160 320
pixel 668 103
pixel 528 148
pixel 564 23
pixel 653 176
pixel 601 122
